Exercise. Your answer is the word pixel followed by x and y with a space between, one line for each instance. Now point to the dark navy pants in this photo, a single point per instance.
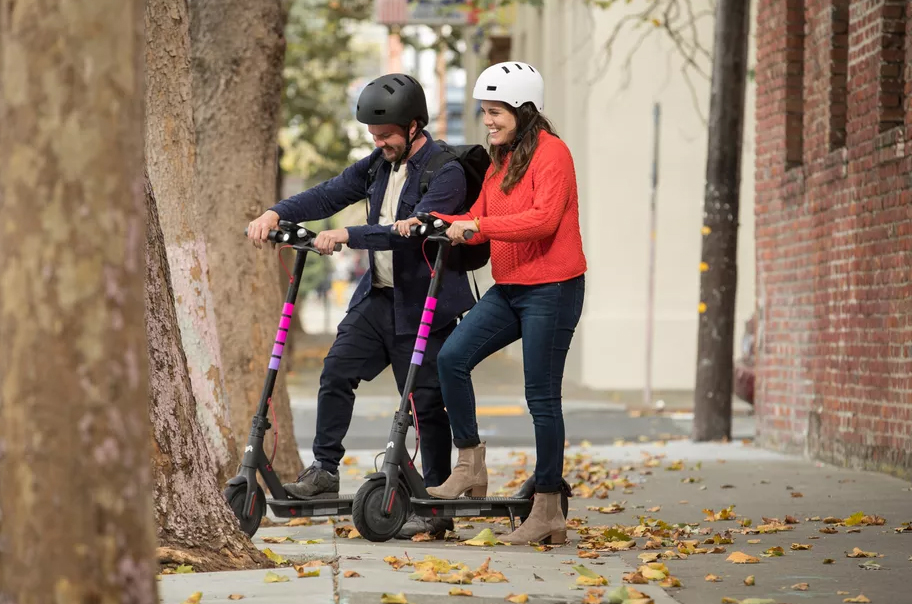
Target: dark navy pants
pixel 365 345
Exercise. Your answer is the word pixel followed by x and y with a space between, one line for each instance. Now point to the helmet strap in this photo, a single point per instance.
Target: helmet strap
pixel 408 147
pixel 520 136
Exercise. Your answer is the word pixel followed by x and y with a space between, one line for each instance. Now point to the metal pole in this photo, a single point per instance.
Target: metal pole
pixel 650 295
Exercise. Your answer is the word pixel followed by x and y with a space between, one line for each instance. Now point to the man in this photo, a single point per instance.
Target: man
pixel 385 310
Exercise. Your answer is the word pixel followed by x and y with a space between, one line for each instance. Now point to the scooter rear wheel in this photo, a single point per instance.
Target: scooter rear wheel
pixel 235 496
pixel 368 515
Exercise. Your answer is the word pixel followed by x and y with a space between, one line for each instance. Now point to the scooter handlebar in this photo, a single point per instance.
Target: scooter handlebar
pixel 280 236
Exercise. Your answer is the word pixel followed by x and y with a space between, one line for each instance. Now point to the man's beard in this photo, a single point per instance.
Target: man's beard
pixel 393 158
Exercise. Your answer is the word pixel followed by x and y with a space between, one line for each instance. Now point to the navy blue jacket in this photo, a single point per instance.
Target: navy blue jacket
pixel 411 275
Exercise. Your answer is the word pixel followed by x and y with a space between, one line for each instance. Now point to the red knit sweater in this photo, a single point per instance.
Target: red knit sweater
pixel 534 230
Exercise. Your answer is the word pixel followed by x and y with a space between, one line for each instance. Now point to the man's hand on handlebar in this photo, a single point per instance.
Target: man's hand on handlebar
pixel 403 226
pixel 459 229
pixel 326 241
pixel 258 230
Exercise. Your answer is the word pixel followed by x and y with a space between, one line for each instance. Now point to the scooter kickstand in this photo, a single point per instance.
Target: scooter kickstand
pixel 512 520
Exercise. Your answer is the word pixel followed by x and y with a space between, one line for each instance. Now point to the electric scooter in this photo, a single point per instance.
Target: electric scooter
pixel 243 494
pixel 382 504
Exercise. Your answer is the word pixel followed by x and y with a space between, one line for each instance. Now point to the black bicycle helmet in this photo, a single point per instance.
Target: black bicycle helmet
pixel 394 98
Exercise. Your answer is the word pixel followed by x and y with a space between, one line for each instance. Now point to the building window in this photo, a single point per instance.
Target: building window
pixel 892 64
pixel 794 83
pixel 839 72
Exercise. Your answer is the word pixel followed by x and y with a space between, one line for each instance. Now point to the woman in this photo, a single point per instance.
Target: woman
pixel 528 210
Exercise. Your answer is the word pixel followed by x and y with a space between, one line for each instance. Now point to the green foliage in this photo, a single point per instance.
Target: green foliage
pixel 320 65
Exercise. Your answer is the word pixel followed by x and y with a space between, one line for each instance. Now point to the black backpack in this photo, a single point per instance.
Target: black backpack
pixel 475 161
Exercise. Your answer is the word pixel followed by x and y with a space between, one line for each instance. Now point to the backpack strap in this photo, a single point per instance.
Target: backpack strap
pixel 434 164
pixel 371 177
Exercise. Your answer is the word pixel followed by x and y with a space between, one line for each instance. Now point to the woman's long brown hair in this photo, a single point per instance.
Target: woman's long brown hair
pixel 529 123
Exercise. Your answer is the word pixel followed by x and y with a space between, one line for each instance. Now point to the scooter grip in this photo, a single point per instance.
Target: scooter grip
pixel 468 235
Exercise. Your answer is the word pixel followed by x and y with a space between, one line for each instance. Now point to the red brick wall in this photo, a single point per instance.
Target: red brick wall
pixel 834 230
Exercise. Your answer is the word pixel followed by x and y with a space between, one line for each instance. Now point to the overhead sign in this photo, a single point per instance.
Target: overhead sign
pixel 425 12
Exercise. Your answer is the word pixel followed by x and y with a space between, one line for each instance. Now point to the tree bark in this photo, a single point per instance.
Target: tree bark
pixel 719 276
pixel 237 49
pixel 195 526
pixel 170 153
pixel 76 495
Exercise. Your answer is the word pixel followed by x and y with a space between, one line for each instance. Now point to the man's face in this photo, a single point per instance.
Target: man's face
pixel 389 138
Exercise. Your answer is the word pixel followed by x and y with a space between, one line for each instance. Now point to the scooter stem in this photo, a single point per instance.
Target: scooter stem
pixel 395 447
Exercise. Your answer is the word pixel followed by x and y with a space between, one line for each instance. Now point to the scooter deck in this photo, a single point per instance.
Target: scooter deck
pixel 463 507
pixel 306 508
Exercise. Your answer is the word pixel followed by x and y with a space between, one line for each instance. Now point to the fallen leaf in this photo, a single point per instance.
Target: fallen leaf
pixel 349 461
pixel 589 577
pixel 753 541
pixel 797 547
pixel 857 553
pixel 195 598
pixel 277 539
pixel 670 581
pixel 712 578
pixel 870 565
pixel 419 537
pixel 727 600
pixel 395 562
pixel 635 578
pixel 828 530
pixel 184 569
pixel 517 599
pixel 859 599
pixel 536 577
pixel 749 581
pixel 235 597
pixel 300 522
pixel 458 591
pixel 800 586
pixel 354 534
pixel 398 598
pixel 758 601
pixel 828 561
pixel 657 508
pixel 742 558
pixel 590 555
pixel 272 577
pixel 648 557
pixel 350 574
pixel 773 551
pixel 485 538
pixel 796 494
pixel 791 520
pixel 303 574
pixel 274 556
pixel 842 593
pixel 593 596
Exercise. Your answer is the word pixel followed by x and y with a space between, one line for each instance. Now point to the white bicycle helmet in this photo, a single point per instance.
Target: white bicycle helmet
pixel 511 82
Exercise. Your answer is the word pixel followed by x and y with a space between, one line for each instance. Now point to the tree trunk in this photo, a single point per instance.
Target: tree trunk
pixel 76 495
pixel 195 526
pixel 719 277
pixel 237 49
pixel 170 150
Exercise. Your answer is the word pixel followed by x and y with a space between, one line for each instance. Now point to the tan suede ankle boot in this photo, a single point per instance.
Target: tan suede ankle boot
pixel 469 476
pixel 545 524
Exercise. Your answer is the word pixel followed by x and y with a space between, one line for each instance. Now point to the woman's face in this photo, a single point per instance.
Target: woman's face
pixel 500 122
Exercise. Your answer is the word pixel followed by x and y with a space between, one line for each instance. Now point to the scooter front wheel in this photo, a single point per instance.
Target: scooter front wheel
pixel 368 514
pixel 235 496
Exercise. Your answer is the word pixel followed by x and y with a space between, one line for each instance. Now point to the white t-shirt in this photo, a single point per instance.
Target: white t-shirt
pixel 383 261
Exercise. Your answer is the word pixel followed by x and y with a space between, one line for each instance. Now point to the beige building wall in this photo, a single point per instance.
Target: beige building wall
pixel 606 119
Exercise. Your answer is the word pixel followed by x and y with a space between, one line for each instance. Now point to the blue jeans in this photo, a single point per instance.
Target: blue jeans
pixel 545 317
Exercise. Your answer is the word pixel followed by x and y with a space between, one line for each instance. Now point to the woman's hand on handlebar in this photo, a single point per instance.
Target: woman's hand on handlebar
pixel 457 231
pixel 403 226
pixel 258 230
pixel 325 242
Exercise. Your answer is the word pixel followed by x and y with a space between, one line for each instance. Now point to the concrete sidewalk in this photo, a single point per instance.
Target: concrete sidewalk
pixel 672 482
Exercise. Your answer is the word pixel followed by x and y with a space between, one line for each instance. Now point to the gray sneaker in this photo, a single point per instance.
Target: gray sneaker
pixel 314 483
pixel 437 527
